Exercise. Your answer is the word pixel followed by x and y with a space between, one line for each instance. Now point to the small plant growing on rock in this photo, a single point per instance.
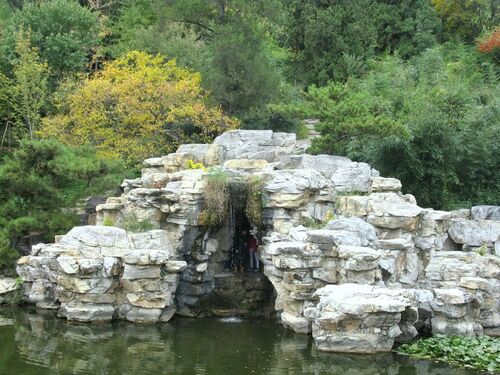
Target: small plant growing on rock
pixel 216 199
pixel 310 223
pixel 329 216
pixel 191 164
pixel 108 222
pixel 254 205
pixel 482 250
pixel 133 224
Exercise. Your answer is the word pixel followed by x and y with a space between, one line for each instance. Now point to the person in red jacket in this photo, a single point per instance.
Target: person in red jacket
pixel 253 246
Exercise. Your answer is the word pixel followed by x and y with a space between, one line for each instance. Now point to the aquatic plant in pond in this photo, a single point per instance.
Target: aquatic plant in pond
pixel 482 352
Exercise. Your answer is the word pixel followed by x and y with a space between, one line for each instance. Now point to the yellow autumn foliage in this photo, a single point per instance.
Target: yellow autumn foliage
pixel 136 107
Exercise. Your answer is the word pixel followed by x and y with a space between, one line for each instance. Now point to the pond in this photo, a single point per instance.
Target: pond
pixel 41 344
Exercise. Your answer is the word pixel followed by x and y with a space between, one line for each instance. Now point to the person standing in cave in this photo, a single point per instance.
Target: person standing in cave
pixel 253 245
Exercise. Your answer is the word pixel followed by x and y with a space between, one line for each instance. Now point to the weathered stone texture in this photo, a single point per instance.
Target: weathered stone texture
pixel 97 273
pixel 357 318
pixel 378 245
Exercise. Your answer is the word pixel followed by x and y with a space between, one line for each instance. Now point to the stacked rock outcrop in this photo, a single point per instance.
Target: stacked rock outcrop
pixel 359 318
pixel 99 273
pixel 329 223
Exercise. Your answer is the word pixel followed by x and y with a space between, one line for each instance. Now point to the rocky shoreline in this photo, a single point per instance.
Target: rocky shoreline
pixel 378 269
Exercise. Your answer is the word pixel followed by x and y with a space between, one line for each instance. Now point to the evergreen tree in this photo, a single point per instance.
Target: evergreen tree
pixel 39 181
pixel 334 39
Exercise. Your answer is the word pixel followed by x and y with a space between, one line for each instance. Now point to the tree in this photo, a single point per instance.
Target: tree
pixel 224 39
pixel 432 122
pixel 468 18
pixel 334 39
pixel 5 14
pixel 144 26
pixel 29 90
pixel 39 181
pixel 406 26
pixel 241 75
pixel 138 106
pixel 490 43
pixel 64 33
pixel 5 100
pixel 326 41
pixel 104 6
pixel 349 119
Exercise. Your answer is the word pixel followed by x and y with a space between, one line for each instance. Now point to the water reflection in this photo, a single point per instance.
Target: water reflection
pixel 42 344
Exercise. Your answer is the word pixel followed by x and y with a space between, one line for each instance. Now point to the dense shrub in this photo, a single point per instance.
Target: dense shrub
pixel 272 117
pixel 334 39
pixel 254 200
pixel 467 18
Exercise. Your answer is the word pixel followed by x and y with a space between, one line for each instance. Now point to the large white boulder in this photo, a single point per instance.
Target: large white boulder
pixel 357 318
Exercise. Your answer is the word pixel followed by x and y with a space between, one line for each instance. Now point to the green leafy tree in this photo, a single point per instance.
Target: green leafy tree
pixel 432 122
pixel 241 75
pixel 407 26
pixel 5 14
pixel 29 90
pixel 334 39
pixel 468 18
pixel 64 33
pixel 330 39
pixel 39 181
pixel 225 40
pixel 348 119
pixel 145 26
pixel 5 100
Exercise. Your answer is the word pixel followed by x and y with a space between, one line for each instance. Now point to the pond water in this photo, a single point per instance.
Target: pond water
pixel 42 344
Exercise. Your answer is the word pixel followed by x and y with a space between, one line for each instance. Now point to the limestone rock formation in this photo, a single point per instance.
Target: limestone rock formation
pixel 359 318
pixel 330 227
pixel 98 273
pixel 485 213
